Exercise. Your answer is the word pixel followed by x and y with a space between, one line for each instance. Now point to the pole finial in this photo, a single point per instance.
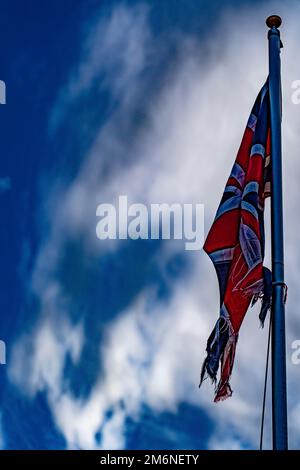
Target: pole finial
pixel 273 21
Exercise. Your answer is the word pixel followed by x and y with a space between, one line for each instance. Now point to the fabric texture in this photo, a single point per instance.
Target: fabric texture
pixel 235 244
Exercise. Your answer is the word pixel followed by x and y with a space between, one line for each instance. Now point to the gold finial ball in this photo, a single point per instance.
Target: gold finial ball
pixel 273 20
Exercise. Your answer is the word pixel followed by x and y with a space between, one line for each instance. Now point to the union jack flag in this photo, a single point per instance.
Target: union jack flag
pixel 235 244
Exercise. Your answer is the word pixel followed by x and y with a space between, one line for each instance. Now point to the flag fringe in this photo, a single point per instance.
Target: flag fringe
pixel 221 347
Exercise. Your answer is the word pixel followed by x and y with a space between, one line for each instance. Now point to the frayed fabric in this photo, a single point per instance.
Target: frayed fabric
pixel 220 349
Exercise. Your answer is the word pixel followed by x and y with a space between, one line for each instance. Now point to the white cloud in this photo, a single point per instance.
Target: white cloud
pixel 221 443
pixel 43 353
pixel 153 351
pixel 114 55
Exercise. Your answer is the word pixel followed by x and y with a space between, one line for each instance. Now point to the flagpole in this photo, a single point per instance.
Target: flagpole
pixel 279 399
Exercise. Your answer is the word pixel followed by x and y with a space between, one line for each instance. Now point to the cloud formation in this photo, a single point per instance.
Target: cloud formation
pixel 182 152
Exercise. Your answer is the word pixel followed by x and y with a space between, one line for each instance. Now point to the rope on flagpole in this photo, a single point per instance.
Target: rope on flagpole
pixel 265 387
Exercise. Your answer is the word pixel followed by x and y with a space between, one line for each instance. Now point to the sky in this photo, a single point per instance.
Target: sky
pixel 149 99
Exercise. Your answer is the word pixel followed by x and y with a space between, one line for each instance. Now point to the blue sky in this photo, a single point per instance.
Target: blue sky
pixel 148 99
